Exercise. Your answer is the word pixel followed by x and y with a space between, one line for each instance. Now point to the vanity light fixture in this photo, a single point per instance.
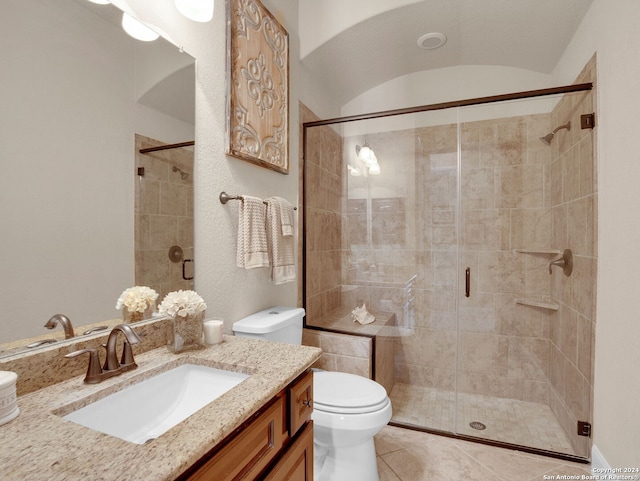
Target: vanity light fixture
pixel 196 10
pixel 137 29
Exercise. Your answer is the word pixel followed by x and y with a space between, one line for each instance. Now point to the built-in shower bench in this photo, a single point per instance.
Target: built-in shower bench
pixel 367 350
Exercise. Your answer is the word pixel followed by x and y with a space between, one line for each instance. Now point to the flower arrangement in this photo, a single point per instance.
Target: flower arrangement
pixel 181 303
pixel 136 301
pixel 186 310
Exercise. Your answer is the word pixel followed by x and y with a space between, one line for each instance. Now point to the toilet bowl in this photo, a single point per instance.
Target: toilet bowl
pixel 348 410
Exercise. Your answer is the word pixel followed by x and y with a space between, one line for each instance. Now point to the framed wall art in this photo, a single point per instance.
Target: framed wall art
pixel 258 86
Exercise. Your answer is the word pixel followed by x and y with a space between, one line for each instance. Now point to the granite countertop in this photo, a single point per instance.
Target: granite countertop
pixel 40 445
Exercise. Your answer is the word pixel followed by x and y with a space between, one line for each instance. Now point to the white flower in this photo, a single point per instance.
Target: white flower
pixel 181 303
pixel 137 298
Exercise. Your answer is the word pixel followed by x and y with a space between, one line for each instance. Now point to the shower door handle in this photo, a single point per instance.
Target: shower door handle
pixel 184 269
pixel 467 282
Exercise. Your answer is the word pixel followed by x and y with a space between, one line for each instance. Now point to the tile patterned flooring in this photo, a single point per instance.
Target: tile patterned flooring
pixel 506 420
pixel 406 455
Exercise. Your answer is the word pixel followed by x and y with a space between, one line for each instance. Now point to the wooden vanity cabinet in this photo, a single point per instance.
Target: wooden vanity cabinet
pixel 297 463
pixel 275 444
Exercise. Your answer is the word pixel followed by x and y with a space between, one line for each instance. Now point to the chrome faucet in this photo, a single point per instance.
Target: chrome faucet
pixel 112 367
pixel 64 321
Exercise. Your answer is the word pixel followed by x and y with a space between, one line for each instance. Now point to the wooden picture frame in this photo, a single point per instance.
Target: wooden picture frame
pixel 258 86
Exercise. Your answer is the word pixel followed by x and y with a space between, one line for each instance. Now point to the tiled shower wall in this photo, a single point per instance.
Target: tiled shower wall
pixel 324 223
pixel 573 192
pixel 323 218
pixel 163 217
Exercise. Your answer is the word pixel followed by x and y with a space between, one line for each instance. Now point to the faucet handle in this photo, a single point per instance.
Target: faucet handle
pixel 565 262
pixel 106 353
pixel 94 371
pixel 127 355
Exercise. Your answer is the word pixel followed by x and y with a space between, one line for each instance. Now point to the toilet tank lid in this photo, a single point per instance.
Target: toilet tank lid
pixel 269 320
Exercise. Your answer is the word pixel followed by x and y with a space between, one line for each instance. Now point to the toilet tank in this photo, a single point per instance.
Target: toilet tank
pixel 280 324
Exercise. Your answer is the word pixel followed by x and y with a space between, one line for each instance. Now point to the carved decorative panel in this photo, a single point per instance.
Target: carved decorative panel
pixel 258 97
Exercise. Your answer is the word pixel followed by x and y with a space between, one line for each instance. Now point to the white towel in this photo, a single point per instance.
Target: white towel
pixel 286 217
pixel 252 249
pixel 280 240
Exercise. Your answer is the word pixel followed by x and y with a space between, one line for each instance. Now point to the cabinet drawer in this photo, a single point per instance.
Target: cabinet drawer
pixel 300 402
pixel 297 463
pixel 246 455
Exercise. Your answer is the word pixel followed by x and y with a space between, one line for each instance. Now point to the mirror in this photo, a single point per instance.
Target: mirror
pixel 76 91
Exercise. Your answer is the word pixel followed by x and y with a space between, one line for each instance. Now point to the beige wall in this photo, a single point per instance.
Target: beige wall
pixel 617 355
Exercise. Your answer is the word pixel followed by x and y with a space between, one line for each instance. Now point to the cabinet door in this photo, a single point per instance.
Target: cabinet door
pixel 246 455
pixel 301 403
pixel 297 463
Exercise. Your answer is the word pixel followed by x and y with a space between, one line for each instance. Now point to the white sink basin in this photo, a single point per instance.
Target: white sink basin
pixel 150 408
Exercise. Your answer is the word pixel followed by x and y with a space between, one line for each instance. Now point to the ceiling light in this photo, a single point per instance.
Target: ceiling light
pixel 196 10
pixel 365 154
pixel 372 160
pixel 137 29
pixel 101 2
pixel 368 157
pixel 430 41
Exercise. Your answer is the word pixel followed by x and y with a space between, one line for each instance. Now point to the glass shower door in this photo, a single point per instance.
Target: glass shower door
pixel 425 361
pixel 518 374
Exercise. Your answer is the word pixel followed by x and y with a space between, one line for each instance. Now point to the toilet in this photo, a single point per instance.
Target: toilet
pixel 348 410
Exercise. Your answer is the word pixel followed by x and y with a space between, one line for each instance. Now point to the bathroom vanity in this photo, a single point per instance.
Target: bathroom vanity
pixel 276 441
pixel 260 429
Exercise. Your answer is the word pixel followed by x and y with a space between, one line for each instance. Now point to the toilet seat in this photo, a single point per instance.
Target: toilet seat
pixel 343 393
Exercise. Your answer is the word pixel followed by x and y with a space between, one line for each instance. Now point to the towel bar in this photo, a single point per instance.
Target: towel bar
pixel 224 198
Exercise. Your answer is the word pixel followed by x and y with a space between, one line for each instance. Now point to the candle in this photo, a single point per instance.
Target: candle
pixel 213 330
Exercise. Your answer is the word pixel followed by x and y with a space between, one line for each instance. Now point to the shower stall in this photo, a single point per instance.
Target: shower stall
pixel 449 223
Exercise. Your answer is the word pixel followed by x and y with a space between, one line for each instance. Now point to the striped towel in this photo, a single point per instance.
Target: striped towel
pixel 252 249
pixel 280 240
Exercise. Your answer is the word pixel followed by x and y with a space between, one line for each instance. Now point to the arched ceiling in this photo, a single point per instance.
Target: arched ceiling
pixel 174 95
pixel 355 57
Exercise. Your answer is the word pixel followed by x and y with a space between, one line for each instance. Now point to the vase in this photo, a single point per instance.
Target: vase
pixel 185 333
pixel 135 316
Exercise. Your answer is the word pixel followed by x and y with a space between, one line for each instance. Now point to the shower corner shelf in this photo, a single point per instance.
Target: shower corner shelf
pixel 539 251
pixel 535 303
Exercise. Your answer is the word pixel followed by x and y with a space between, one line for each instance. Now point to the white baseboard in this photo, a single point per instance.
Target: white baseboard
pixel 597 459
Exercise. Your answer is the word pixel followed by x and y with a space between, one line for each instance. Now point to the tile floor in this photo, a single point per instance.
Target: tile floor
pixel 406 455
pixel 506 420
